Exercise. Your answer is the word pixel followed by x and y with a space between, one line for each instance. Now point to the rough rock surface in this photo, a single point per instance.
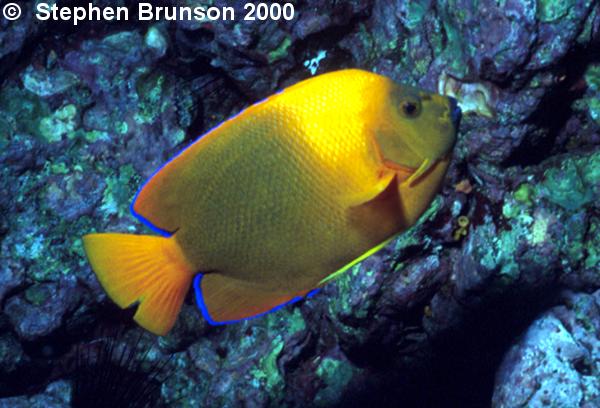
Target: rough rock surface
pixel 56 395
pixel 87 114
pixel 557 362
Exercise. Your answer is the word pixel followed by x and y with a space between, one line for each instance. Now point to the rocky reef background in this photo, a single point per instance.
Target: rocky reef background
pixel 493 298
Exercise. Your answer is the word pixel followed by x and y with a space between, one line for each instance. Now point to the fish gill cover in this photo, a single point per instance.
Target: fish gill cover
pixel 492 298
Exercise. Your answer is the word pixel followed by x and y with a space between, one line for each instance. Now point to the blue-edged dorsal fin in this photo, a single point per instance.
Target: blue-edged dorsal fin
pixel 156 203
pixel 183 180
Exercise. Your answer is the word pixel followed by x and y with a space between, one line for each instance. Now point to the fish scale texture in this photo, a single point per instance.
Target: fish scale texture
pixel 266 196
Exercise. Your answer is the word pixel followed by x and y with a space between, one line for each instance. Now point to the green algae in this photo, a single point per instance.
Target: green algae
pixel 511 209
pixel 32 249
pixel 592 261
pixel 59 168
pixel 573 240
pixel 416 12
pixel 200 364
pixel 296 321
pixel 48 82
pixel 553 10
pixel 150 93
pixel 53 259
pixel 592 78
pixel 593 105
pixel 62 122
pixel 346 284
pixel 96 135
pixel 37 294
pixel 586 35
pixel 45 238
pixel 368 40
pixel 539 229
pixel 500 255
pixel 573 184
pixel 266 373
pixel 290 319
pixel 119 191
pixel 21 111
pixel 122 127
pixel 450 45
pixel 335 374
pixel 525 194
pixel 281 51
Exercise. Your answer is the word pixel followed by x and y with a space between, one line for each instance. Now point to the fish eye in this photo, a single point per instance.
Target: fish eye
pixel 411 107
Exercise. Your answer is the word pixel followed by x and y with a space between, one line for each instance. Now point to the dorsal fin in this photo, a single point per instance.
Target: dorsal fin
pixel 163 197
pixel 156 203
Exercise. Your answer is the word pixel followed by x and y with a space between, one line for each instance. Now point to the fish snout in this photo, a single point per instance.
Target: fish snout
pixel 455 112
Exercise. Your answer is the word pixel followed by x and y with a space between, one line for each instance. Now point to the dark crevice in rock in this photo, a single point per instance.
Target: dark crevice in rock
pixel 213 84
pixel 474 349
pixel 54 35
pixel 14 292
pixel 49 346
pixel 47 354
pixel 26 379
pixel 554 109
pixel 89 29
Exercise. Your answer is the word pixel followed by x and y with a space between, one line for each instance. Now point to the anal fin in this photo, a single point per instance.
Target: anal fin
pixel 361 258
pixel 225 300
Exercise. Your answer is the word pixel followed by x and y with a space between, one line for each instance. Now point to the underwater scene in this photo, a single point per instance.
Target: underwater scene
pixel 309 203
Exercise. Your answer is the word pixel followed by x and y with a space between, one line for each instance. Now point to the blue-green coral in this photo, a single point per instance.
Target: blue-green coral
pixel 575 183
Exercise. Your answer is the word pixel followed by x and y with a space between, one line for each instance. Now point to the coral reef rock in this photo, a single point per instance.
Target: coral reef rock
pixel 88 113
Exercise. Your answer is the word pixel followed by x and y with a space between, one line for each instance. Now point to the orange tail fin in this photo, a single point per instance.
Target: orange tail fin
pixel 141 268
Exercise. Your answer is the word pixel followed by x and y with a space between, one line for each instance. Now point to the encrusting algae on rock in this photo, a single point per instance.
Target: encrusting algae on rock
pixel 278 200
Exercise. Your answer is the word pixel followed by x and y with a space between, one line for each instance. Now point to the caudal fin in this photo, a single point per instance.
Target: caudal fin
pixel 141 268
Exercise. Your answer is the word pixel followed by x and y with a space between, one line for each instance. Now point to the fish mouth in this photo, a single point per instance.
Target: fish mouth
pixel 455 112
pixel 408 175
pixel 403 172
pixel 399 167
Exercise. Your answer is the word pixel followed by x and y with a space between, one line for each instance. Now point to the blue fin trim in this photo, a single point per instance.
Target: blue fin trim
pixel 145 221
pixel 204 310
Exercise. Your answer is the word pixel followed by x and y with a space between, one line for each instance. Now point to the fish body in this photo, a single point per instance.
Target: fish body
pixel 275 201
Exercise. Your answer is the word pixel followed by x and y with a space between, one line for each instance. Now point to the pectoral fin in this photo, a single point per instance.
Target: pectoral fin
pixel 370 194
pixel 379 217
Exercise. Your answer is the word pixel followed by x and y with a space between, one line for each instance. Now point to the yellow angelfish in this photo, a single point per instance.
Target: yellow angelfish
pixel 279 199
